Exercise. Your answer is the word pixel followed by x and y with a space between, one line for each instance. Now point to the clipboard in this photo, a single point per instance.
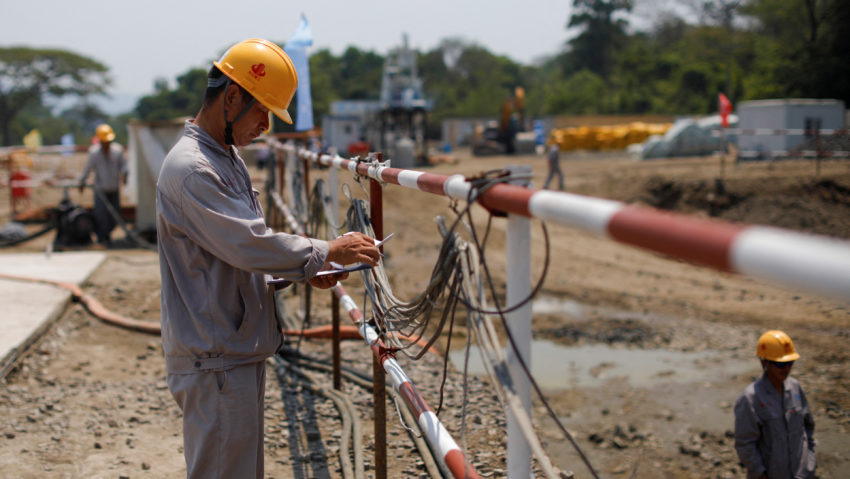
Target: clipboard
pixel 338 269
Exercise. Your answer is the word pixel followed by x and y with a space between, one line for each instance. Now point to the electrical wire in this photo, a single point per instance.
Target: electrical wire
pixel 12 242
pixel 364 380
pixel 117 217
pixel 459 275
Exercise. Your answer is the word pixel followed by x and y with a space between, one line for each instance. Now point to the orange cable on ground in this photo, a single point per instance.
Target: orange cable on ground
pixel 94 306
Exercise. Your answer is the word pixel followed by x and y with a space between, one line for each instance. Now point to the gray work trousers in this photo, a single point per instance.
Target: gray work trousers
pixel 554 170
pixel 104 221
pixel 222 421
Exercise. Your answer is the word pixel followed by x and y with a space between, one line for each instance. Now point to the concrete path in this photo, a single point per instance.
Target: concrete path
pixel 27 309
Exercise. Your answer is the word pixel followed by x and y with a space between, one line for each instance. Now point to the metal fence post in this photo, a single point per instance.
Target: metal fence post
pixel 519 324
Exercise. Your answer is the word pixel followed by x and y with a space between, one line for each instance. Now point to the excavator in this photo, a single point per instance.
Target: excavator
pixel 498 138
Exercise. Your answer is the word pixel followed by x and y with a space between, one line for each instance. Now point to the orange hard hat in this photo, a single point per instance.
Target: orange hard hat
pixel 265 71
pixel 104 133
pixel 775 345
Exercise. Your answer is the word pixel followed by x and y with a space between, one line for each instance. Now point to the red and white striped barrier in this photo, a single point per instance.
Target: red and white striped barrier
pixel 814 263
pixel 445 448
pixel 756 154
pixel 782 131
pixel 437 436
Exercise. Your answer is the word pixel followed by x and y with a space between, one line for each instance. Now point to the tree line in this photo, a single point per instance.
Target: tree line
pixel 691 51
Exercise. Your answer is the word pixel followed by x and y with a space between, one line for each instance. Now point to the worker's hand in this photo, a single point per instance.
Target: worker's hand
pixel 327 281
pixel 353 248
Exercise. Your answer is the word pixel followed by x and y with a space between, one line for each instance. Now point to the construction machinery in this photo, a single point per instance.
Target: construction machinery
pixel 499 138
pixel 404 108
pixel 74 224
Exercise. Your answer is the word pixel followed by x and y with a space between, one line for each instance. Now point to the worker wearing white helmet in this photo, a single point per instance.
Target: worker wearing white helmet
pixel 216 255
pixel 774 427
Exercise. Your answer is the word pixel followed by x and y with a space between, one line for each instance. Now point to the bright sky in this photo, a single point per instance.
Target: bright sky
pixel 141 41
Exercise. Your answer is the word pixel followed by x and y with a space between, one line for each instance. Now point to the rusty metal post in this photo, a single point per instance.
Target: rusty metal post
pixel 337 356
pixel 379 378
pixel 271 187
pixel 337 375
pixel 12 202
pixel 306 164
pixel 308 290
pixel 281 177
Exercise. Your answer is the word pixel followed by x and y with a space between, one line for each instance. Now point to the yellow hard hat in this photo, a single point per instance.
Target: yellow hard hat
pixel 776 346
pixel 265 71
pixel 104 133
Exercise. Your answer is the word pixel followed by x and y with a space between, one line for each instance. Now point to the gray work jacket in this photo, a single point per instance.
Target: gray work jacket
pixel 108 170
pixel 775 435
pixel 216 254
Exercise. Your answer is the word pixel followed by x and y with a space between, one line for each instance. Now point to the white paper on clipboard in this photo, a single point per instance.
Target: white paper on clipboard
pixel 339 269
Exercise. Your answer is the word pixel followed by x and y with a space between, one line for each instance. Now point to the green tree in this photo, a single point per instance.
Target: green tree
pixel 808 44
pixel 466 80
pixel 361 73
pixel 325 82
pixel 602 32
pixel 30 76
pixel 166 104
pixel 582 93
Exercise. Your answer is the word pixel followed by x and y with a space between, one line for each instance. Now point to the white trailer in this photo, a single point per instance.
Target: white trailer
pixel 771 128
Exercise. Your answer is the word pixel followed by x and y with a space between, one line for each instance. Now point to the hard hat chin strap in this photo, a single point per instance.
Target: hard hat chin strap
pixel 228 125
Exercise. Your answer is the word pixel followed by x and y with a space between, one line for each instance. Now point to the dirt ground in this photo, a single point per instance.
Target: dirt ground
pixel 91 399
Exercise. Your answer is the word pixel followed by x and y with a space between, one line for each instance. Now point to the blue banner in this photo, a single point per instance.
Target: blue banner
pixel 296 48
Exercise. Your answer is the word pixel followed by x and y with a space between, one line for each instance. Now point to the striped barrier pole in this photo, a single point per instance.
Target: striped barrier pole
pixel 448 453
pixel 784 131
pixel 445 448
pixel 818 264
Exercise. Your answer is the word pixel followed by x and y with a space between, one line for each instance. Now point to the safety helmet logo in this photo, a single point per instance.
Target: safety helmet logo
pixel 258 70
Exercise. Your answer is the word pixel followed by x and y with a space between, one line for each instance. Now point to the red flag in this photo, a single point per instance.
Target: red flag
pixel 725 107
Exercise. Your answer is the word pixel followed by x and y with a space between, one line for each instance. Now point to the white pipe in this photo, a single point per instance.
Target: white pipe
pixel 519 324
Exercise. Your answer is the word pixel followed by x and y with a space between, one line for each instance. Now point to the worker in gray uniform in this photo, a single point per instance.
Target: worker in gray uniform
pixel 217 255
pixel 774 427
pixel 107 161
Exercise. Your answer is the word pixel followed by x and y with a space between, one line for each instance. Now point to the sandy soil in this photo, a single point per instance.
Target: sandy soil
pixel 91 400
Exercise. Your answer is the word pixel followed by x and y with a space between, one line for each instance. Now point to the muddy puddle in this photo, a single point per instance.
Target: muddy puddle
pixel 580 311
pixel 561 367
pixel 595 363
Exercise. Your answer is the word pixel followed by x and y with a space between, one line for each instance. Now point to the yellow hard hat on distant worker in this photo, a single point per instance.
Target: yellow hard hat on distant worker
pixel 265 71
pixel 776 346
pixel 104 133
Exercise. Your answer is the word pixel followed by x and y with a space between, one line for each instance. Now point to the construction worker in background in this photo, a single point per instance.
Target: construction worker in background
pixel 774 427
pixel 106 159
pixel 219 321
pixel 553 160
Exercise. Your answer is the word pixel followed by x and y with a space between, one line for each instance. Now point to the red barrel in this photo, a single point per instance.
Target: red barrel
pixel 20 185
